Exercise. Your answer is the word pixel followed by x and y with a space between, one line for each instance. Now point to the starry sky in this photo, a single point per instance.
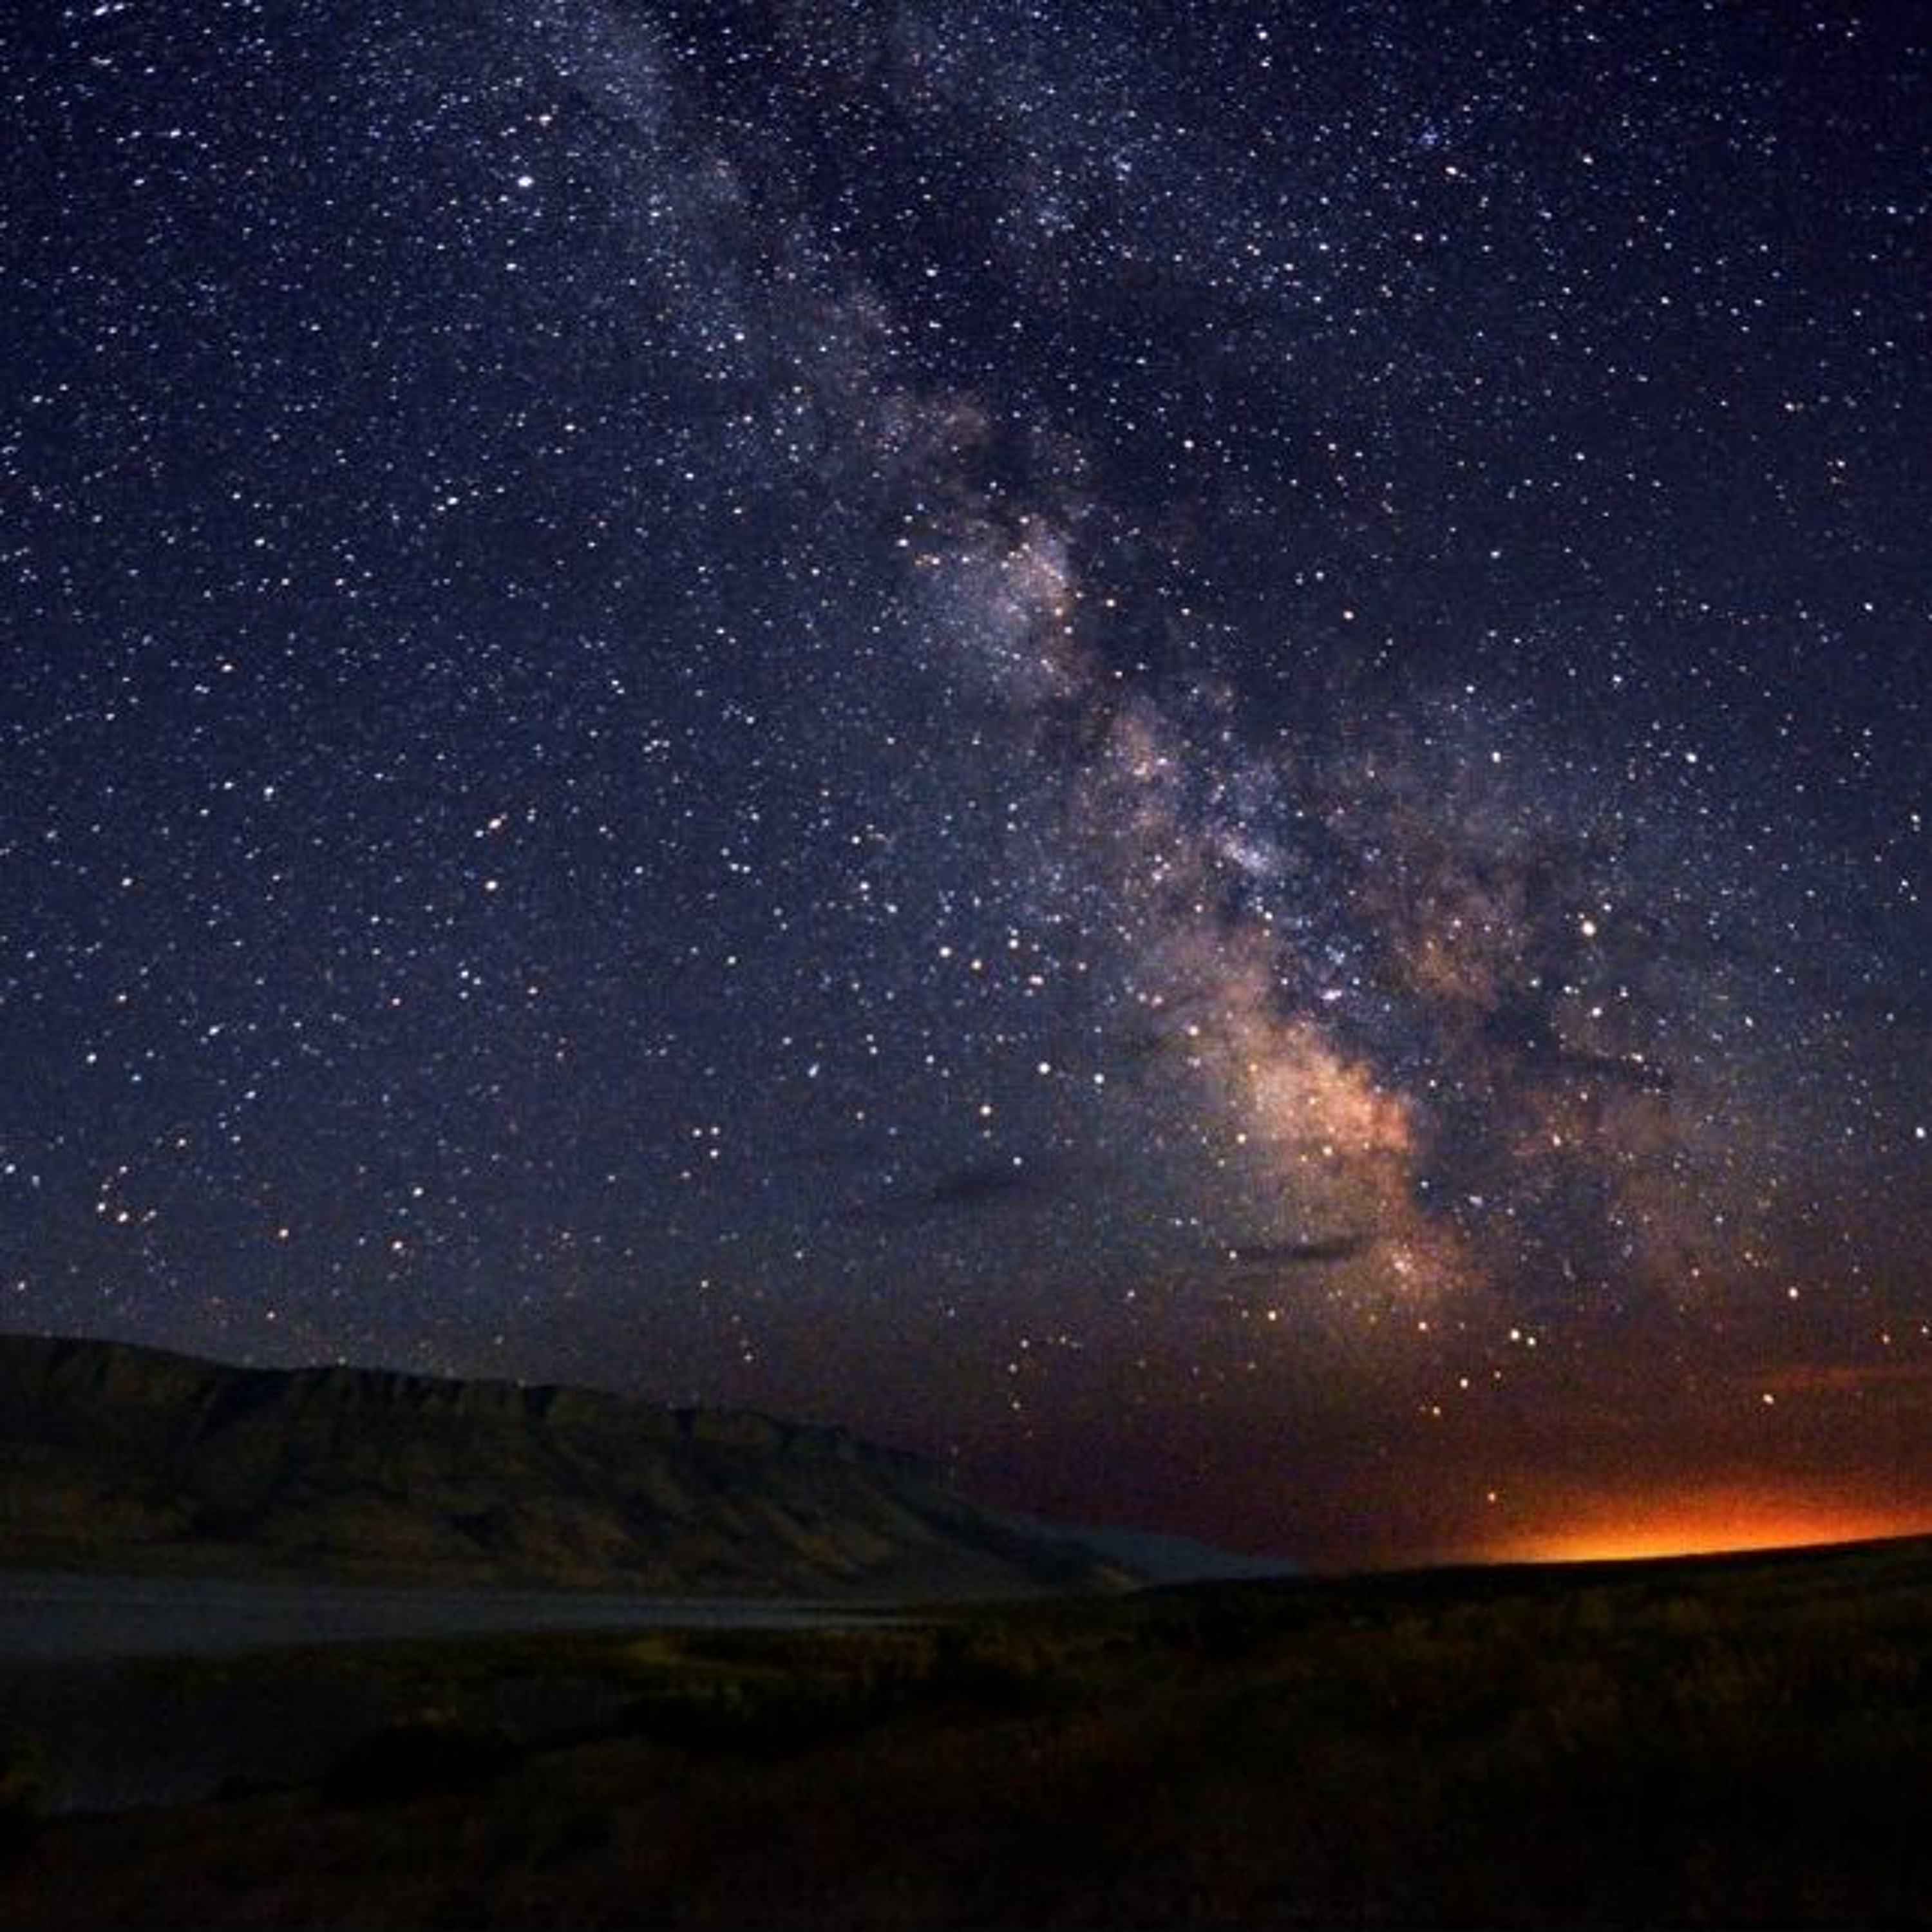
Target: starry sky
pixel 1178 750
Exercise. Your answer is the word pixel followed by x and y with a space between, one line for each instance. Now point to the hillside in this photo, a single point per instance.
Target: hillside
pixel 116 1457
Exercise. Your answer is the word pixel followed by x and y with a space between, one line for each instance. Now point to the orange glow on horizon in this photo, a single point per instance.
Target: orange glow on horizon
pixel 1705 1525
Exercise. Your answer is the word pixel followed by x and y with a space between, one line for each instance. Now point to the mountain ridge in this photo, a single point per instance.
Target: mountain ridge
pixel 114 1454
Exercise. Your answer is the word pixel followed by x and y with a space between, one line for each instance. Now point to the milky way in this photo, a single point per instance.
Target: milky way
pixel 1179 751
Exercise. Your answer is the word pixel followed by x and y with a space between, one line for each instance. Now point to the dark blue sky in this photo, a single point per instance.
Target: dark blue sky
pixel 1182 753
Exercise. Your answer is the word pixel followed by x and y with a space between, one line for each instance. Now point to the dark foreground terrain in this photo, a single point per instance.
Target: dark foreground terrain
pixel 1738 1741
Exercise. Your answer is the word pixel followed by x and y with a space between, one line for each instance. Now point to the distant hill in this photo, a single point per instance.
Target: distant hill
pixel 1157 1559
pixel 114 1456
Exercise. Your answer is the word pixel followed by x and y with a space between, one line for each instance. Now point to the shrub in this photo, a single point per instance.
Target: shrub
pixel 23 1791
pixel 431 1753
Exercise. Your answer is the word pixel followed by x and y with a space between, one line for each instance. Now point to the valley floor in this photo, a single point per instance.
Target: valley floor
pixel 65 1616
pixel 1734 1742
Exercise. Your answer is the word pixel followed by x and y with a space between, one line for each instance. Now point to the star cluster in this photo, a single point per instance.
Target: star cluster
pixel 1180 750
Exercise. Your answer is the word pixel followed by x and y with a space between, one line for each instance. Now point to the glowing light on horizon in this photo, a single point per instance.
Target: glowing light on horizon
pixel 1710 1525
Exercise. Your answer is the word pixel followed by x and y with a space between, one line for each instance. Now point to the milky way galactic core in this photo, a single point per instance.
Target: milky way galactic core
pixel 1177 751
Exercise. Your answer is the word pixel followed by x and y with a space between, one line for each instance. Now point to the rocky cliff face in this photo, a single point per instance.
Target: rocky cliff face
pixel 118 1457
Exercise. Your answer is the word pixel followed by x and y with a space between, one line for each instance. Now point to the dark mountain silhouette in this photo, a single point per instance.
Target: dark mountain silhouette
pixel 115 1457
pixel 1156 1558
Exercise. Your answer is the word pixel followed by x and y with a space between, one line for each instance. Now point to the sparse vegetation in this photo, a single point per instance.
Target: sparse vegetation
pixel 22 1788
pixel 434 1752
pixel 1740 1742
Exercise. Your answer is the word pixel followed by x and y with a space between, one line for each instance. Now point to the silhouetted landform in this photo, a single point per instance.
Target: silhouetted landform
pixel 1155 1558
pixel 114 1456
pixel 1736 1741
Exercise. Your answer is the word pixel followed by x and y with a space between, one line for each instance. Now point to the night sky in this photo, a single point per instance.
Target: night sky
pixel 1178 750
